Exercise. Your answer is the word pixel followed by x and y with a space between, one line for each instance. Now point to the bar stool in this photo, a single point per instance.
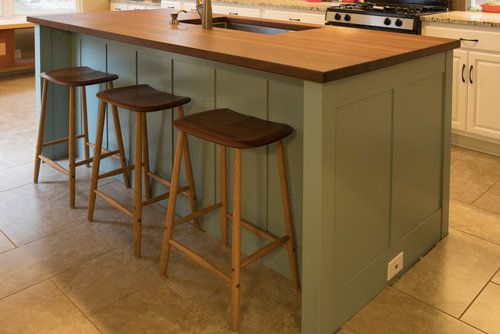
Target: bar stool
pixel 140 99
pixel 231 129
pixel 74 77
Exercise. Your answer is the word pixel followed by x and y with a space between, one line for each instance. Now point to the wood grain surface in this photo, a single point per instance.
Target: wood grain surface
pixel 323 54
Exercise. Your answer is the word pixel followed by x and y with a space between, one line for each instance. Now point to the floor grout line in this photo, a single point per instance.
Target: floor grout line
pixel 74 304
pixel 479 293
pixel 10 240
pixel 482 194
pixel 473 235
pixel 438 309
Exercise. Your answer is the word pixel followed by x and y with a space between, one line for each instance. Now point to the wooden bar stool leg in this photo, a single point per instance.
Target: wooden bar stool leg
pixel 96 161
pixel 188 169
pixel 223 194
pixel 85 123
pixel 138 184
pixel 71 146
pixel 145 146
pixel 41 126
pixel 169 220
pixel 235 258
pixel 119 141
pixel 292 256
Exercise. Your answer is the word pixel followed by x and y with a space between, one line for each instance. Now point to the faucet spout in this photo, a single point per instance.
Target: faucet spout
pixel 204 9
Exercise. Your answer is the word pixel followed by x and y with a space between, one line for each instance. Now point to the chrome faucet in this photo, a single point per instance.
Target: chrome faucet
pixel 204 9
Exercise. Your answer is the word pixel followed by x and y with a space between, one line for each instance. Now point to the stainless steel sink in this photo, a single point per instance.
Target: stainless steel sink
pixel 253 25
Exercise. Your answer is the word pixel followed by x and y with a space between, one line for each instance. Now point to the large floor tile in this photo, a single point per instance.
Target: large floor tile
pixel 496 278
pixel 106 279
pixel 453 273
pixel 490 199
pixel 484 313
pixel 5 243
pixel 19 175
pixel 28 214
pixel 475 221
pixel 40 309
pixel 41 259
pixel 393 311
pixel 154 309
pixel 472 173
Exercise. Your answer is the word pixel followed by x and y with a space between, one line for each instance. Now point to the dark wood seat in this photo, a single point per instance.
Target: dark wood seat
pixel 229 128
pixel 142 98
pixel 78 76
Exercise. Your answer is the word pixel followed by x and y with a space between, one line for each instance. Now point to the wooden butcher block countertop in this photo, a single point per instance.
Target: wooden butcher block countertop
pixel 322 54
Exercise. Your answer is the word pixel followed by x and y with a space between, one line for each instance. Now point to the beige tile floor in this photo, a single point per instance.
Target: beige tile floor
pixel 60 274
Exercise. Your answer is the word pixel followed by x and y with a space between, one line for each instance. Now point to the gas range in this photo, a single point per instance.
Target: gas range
pixel 397 16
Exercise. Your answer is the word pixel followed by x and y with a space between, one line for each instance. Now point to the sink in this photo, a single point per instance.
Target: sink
pixel 253 25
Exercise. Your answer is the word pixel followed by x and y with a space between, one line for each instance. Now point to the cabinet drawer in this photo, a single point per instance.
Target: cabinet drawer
pixel 171 4
pixel 294 16
pixel 472 38
pixel 240 11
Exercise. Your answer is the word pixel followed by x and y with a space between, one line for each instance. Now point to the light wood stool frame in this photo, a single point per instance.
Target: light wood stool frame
pixel 71 140
pixel 236 262
pixel 142 155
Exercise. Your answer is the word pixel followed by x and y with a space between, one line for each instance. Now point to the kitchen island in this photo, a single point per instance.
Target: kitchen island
pixel 369 159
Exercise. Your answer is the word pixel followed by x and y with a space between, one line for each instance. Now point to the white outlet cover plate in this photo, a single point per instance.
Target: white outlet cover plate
pixel 395 266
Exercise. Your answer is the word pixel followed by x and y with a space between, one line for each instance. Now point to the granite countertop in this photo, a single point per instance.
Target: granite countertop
pixel 284 4
pixel 465 18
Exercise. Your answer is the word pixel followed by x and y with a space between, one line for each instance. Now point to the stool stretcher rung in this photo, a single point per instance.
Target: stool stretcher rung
pixel 198 213
pixel 263 251
pixel 255 229
pixel 54 165
pixel 114 203
pixel 159 179
pixel 115 172
pixel 105 152
pixel 61 140
pixel 200 260
pixel 162 197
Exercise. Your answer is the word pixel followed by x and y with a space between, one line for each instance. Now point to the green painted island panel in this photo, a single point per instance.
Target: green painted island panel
pixel 368 160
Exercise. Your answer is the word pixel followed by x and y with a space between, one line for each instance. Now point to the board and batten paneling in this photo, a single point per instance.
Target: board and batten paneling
pixel 368 160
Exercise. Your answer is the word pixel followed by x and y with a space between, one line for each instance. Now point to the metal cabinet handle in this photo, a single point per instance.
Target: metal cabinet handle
pixel 290 19
pixel 470 74
pixel 233 13
pixel 170 7
pixel 469 40
pixel 463 69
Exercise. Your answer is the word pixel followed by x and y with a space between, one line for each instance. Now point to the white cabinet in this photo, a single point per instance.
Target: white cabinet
pixel 476 82
pixel 172 5
pixel 484 94
pixel 118 6
pixel 294 16
pixel 239 11
pixel 460 83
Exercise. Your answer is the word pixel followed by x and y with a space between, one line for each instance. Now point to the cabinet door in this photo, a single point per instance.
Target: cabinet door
pixel 294 16
pixel 459 95
pixel 240 11
pixel 483 93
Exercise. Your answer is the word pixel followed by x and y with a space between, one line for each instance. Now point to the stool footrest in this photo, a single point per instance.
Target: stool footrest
pixel 114 203
pixel 61 140
pixel 200 260
pixel 264 251
pixel 105 152
pixel 198 213
pixel 116 172
pixel 54 164
pixel 159 179
pixel 162 196
pixel 255 229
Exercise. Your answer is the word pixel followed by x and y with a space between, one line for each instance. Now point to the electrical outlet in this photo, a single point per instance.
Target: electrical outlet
pixel 395 266
pixel 18 54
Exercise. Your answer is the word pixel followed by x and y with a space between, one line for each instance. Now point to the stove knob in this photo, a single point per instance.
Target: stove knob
pixel 347 17
pixel 338 16
pixel 399 23
pixel 387 21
